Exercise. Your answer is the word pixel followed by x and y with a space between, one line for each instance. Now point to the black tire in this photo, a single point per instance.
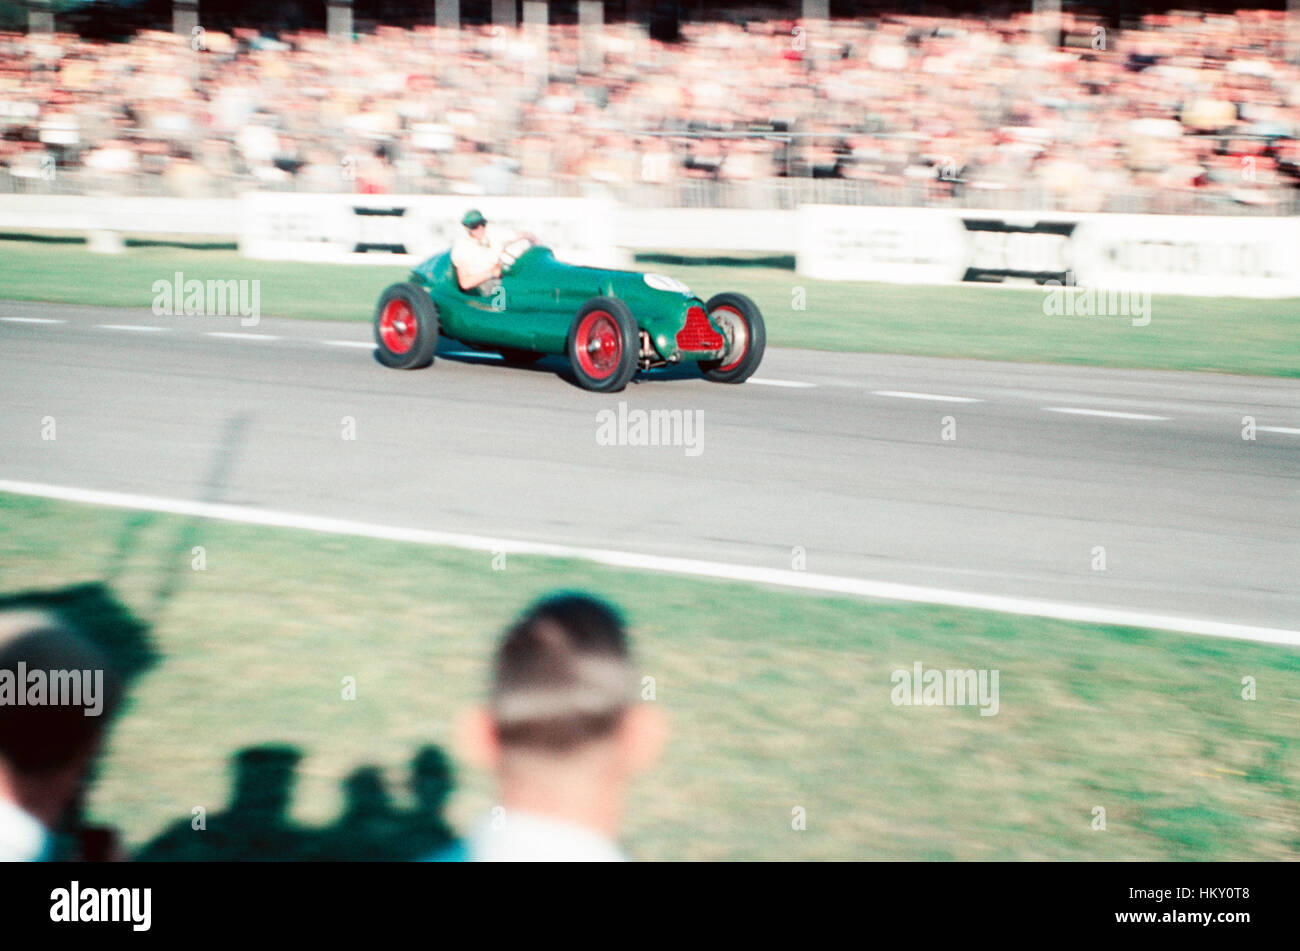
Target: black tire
pixel 739 314
pixel 604 345
pixel 399 344
pixel 516 357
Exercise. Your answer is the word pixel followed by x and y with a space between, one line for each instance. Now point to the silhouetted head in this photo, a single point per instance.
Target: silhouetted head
pixel 365 791
pixel 431 777
pixel 264 778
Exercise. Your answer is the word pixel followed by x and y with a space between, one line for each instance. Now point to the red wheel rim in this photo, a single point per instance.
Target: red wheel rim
pixel 599 344
pixel 397 326
pixel 741 323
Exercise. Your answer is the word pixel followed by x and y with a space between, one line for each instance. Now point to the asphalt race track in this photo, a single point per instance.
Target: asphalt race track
pixel 1047 462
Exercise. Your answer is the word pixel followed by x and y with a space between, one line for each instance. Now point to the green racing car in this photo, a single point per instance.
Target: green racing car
pixel 609 323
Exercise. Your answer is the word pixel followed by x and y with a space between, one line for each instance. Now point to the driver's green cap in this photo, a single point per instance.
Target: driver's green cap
pixel 473 218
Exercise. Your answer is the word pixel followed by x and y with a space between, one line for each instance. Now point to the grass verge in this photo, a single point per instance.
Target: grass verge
pixel 778 700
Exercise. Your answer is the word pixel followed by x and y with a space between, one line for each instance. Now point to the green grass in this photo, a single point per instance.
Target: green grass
pixel 1221 334
pixel 776 699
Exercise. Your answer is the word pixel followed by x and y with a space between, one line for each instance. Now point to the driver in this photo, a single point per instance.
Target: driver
pixel 476 254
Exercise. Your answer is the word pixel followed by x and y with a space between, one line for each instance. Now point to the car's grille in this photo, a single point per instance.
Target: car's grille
pixel 698 334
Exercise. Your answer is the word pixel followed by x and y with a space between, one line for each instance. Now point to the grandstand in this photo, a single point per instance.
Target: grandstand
pixel 1176 112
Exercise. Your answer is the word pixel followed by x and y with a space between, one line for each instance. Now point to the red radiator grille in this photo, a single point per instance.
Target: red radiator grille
pixel 698 334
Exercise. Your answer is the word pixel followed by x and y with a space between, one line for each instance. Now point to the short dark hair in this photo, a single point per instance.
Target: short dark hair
pixel 562 676
pixel 41 738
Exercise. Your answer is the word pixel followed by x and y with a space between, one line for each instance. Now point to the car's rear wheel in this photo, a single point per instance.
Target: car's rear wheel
pixel 406 327
pixel 603 345
pixel 518 357
pixel 742 327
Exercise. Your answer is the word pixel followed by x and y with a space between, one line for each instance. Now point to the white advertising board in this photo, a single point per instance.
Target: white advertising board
pixel 894 245
pixel 406 229
pixel 1204 256
pixel 1200 256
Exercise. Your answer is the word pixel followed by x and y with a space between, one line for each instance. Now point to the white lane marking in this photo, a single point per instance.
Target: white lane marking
pixel 367 344
pixel 1278 429
pixel 32 320
pixel 1109 413
pixel 133 328
pixel 904 395
pixel 793 384
pixel 232 335
pixel 783 577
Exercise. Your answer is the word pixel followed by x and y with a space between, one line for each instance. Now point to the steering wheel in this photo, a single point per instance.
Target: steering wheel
pixel 513 251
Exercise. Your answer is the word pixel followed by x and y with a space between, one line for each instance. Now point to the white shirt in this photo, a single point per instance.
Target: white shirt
pixel 479 256
pixel 22 837
pixel 528 837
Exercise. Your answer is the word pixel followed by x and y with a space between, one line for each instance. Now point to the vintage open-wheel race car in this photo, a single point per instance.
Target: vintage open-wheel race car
pixel 609 323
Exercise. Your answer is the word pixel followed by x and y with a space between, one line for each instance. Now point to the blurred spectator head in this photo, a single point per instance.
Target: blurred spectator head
pixel 563 730
pixel 57 693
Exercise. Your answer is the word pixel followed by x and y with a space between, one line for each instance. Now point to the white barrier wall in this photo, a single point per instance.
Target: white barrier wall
pixel 84 213
pixel 406 229
pixel 1204 256
pixel 706 229
pixel 1162 254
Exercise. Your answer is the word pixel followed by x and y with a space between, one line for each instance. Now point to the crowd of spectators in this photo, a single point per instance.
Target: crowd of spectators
pixel 1185 111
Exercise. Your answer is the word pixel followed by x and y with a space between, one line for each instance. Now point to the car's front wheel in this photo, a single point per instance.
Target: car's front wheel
pixel 406 327
pixel 603 344
pixel 742 327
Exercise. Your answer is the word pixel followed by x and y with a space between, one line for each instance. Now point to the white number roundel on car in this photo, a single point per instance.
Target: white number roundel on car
pixel 662 282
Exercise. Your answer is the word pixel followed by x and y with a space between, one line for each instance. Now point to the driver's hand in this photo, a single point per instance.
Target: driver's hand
pixel 496 269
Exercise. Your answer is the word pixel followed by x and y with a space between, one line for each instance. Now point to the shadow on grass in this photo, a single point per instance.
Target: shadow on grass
pixel 258 825
pixel 100 618
pixel 135 525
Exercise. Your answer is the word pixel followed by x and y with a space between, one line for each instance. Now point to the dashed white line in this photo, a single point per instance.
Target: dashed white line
pixel 1108 413
pixel 753 574
pixel 937 397
pixel 761 381
pixel 359 344
pixel 232 335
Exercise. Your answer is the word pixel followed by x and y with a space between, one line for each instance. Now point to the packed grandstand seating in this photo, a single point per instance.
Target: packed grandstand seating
pixel 1185 112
